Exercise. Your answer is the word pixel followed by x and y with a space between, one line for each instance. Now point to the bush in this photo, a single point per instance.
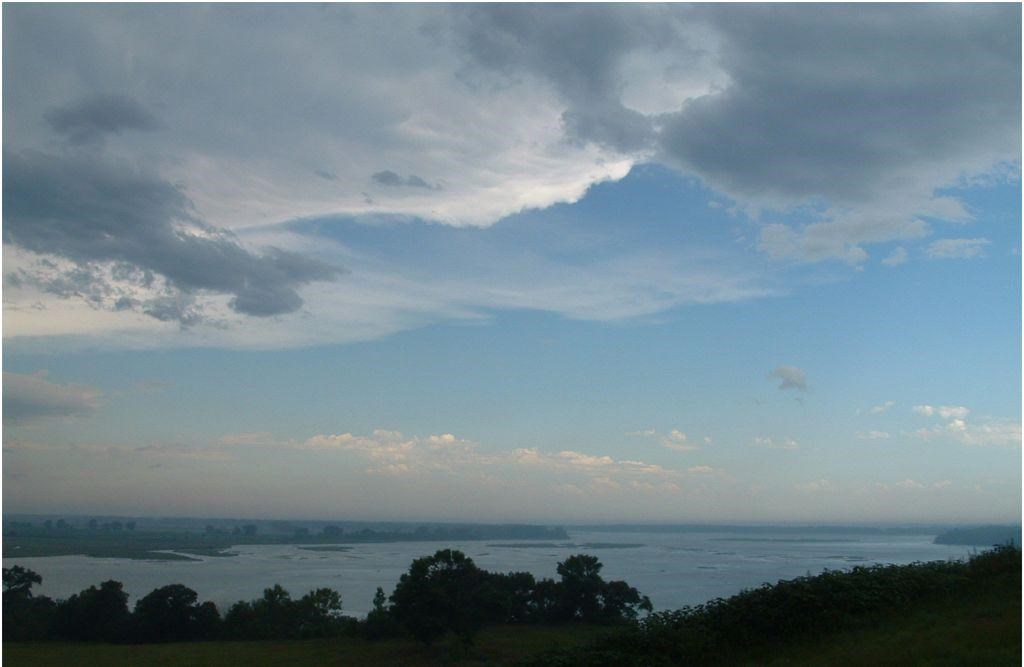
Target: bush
pixel 786 610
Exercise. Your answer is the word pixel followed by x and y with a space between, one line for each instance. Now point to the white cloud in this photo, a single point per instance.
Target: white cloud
pixel 944 411
pixel 463 115
pixel 908 484
pixel 883 407
pixel 957 248
pixel 986 431
pixel 896 257
pixel 769 443
pixel 702 470
pixel 393 452
pixel 873 435
pixel 674 439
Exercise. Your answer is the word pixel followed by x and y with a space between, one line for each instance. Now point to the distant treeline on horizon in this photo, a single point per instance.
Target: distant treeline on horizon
pixel 982 536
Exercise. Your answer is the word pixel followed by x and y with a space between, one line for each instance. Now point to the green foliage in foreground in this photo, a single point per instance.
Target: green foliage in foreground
pixel 728 631
pixel 441 594
pixel 941 613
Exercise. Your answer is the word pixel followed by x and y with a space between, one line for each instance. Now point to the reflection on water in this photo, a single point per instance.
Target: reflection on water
pixel 674 569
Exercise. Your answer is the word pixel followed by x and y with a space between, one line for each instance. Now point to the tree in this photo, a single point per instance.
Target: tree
pixel 94 614
pixel 583 594
pixel 440 593
pixel 173 613
pixel 508 597
pixel 581 586
pixel 380 623
pixel 271 617
pixel 25 616
pixel 620 601
pixel 18 581
pixel 319 613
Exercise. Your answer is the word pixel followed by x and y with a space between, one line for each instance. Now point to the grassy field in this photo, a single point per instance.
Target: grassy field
pixel 495 646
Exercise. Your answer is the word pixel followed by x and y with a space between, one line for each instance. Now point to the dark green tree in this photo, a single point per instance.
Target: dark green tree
pixel 94 614
pixel 173 613
pixel 25 616
pixel 440 594
pixel 319 613
pixel 18 581
pixel 380 623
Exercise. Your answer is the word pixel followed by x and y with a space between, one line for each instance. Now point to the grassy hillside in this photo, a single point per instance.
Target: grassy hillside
pixel 919 614
pixel 978 628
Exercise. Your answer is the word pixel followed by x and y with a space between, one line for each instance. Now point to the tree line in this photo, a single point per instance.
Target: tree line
pixel 440 594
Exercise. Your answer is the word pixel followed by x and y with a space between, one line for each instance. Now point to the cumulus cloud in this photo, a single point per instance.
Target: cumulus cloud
pixel 121 227
pixel 394 453
pixel 788 104
pixel 873 435
pixel 790 377
pixel 854 117
pixel 957 248
pixel 944 411
pixel 881 407
pixel 981 432
pixel 811 115
pixel 28 398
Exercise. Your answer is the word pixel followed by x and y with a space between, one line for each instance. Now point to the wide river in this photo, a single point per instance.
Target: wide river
pixel 674 569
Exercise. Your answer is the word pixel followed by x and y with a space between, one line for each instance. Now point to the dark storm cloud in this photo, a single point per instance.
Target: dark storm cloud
pixel 94 210
pixel 837 100
pixel 831 101
pixel 577 48
pixel 92 118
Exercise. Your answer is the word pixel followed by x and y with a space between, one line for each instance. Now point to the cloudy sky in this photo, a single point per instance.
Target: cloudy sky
pixel 513 262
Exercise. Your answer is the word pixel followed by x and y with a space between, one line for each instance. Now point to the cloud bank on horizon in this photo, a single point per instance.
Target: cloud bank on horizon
pixel 158 158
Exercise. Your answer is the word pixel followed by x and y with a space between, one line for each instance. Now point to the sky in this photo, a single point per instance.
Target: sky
pixel 552 263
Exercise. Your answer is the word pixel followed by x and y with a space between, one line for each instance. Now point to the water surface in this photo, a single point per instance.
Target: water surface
pixel 674 569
